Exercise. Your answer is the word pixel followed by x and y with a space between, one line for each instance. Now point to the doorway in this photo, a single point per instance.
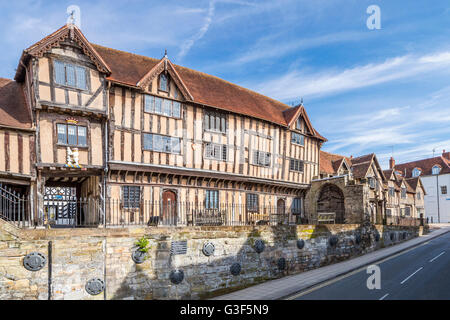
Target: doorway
pixel 169 208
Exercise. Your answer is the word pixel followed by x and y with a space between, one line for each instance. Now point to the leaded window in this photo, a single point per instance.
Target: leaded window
pixel 403 193
pixel 297 206
pixel 163 82
pixel 162 106
pixel 215 121
pixel 296 165
pixel 67 74
pixel 131 196
pixel 212 199
pixel 443 189
pixel 297 138
pixel 216 151
pixel 72 135
pixel 252 202
pixel 156 142
pixel 261 158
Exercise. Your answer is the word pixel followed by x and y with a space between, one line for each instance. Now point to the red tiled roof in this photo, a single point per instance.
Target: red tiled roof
pixel 425 165
pixel 14 111
pixel 128 68
pixel 330 162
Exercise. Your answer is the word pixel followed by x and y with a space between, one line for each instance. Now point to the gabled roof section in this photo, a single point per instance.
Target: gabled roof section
pixel 68 31
pixel 292 114
pixel 362 164
pixel 415 183
pixel 14 111
pixel 330 162
pixel 165 65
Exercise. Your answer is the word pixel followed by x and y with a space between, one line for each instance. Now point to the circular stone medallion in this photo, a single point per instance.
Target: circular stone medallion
pixel 138 256
pixel 377 237
pixel 95 286
pixel 176 276
pixel 300 243
pixel 259 246
pixel 333 241
pixel 235 269
pixel 34 261
pixel 208 249
pixel 281 263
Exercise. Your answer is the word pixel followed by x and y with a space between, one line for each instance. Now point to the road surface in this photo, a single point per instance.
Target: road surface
pixel 420 273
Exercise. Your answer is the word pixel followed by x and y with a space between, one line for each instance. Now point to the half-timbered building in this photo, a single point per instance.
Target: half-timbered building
pixel 111 137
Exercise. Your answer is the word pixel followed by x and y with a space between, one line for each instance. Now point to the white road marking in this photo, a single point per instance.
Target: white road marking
pixel 411 275
pixel 382 298
pixel 437 256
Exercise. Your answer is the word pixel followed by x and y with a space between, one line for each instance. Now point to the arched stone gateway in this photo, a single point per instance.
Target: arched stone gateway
pixel 331 199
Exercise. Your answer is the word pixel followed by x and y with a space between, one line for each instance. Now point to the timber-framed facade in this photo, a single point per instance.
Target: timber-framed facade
pixel 139 136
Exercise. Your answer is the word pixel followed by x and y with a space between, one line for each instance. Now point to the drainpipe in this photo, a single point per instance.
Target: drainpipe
pixel 437 197
pixel 105 170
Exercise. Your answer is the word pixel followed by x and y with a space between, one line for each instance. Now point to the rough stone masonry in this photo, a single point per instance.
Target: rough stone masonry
pixel 75 256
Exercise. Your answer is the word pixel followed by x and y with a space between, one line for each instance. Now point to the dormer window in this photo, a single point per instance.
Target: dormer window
pixel 416 172
pixel 163 82
pixel 436 169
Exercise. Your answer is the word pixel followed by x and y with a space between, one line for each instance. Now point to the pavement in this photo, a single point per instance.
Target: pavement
pixel 307 284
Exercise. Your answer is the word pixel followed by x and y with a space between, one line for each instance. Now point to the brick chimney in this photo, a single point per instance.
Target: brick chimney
pixel 446 155
pixel 391 163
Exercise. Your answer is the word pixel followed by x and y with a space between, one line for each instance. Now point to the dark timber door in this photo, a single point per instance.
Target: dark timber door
pixel 169 210
pixel 280 207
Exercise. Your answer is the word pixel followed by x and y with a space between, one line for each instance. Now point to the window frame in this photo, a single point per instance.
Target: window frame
pixel 223 151
pixel 294 209
pixel 67 144
pixel 150 108
pixel 249 205
pixel 76 66
pixel 443 189
pixel 434 168
pixel 217 115
pixel 403 192
pixel 126 203
pixel 416 172
pixel 257 155
pixel 144 134
pixel 215 203
pixel 302 139
pixel 296 170
pixel 167 82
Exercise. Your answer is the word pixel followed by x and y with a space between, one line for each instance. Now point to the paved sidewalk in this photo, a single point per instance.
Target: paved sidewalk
pixel 283 287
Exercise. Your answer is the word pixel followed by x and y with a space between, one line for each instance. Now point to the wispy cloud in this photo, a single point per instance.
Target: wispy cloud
pixel 297 83
pixel 187 45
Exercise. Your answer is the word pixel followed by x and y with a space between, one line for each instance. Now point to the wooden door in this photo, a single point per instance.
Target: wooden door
pixel 281 207
pixel 169 210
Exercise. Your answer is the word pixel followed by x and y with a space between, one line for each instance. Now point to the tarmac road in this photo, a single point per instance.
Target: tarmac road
pixel 420 273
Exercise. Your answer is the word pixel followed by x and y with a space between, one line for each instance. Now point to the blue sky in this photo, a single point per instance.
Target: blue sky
pixel 379 91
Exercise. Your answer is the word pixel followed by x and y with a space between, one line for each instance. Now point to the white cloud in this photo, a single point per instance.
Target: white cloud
pixel 297 83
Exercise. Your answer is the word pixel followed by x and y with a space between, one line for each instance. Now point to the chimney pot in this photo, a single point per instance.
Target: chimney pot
pixel 391 163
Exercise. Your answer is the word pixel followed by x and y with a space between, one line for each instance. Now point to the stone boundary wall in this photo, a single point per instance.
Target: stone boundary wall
pixel 75 256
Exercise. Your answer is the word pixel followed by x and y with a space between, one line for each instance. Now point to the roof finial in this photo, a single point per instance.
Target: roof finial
pixel 301 101
pixel 165 53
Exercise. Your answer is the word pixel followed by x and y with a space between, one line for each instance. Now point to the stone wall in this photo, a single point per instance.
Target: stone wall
pixel 76 255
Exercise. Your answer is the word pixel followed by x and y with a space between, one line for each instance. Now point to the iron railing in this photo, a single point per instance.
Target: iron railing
pixel 14 207
pixel 157 213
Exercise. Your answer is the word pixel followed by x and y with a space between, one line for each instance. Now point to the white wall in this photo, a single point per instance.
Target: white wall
pixel 431 204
